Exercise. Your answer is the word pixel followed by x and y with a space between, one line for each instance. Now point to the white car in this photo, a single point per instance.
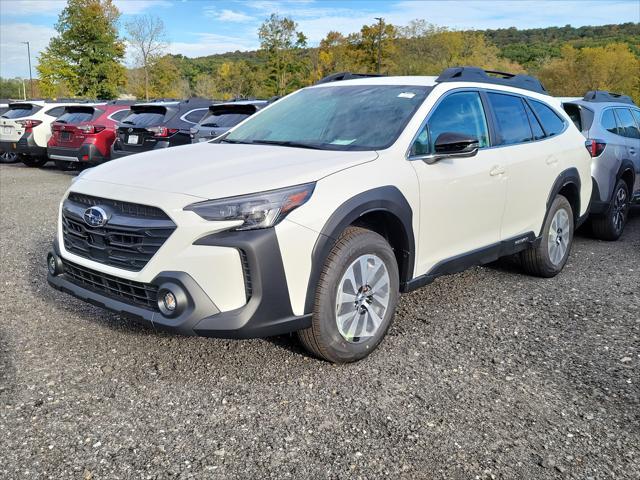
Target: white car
pixel 314 214
pixel 25 129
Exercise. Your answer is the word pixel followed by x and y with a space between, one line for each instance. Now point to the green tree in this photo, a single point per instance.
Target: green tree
pixel 84 58
pixel 280 43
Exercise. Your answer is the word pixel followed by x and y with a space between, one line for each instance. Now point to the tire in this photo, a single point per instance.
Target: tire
pixel 355 330
pixel 8 157
pixel 550 255
pixel 64 166
pixel 34 162
pixel 610 225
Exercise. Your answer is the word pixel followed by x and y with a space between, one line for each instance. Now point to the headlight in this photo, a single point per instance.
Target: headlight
pixel 256 210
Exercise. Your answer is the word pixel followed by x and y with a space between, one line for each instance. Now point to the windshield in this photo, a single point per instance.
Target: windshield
pixel 227 120
pixel 354 117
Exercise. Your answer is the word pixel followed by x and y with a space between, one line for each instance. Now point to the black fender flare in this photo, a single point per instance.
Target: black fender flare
pixel 381 199
pixel 625 165
pixel 566 177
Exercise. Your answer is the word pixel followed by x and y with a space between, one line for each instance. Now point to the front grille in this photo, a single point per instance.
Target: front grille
pixel 123 208
pixel 135 293
pixel 130 238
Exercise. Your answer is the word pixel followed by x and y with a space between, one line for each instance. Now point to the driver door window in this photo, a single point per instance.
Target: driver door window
pixel 460 112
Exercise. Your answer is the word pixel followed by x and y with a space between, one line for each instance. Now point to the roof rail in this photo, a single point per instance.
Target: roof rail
pixel 476 74
pixel 336 77
pixel 598 96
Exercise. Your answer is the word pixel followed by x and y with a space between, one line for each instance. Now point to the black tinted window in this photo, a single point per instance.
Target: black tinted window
pixel 194 116
pixel 550 120
pixel 226 120
pixel 513 124
pixel 20 111
pixel 119 115
pixel 538 133
pixel 609 122
pixel 55 112
pixel 636 115
pixel 144 119
pixel 76 117
pixel 627 123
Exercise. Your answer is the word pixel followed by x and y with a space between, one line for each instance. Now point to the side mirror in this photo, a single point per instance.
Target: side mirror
pixel 452 145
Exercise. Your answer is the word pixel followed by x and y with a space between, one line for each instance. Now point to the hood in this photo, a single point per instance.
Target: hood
pixel 216 170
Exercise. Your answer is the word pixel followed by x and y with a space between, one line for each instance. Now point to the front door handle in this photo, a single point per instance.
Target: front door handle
pixel 497 170
pixel 552 160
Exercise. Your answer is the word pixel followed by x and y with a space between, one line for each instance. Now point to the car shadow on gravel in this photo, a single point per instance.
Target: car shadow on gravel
pixel 50 168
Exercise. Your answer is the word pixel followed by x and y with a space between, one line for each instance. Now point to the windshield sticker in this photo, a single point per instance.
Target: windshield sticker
pixel 339 141
pixel 406 95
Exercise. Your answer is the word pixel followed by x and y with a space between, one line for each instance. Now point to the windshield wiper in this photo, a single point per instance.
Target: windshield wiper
pixel 287 143
pixel 128 122
pixel 241 142
pixel 60 121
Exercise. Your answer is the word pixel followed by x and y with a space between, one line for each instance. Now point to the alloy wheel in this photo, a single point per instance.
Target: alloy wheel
pixel 559 236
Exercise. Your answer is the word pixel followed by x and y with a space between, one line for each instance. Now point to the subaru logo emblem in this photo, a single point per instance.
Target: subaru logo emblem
pixel 95 217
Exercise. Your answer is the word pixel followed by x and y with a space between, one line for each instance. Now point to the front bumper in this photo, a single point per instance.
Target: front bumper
pixel 267 312
pixel 88 153
pixel 28 146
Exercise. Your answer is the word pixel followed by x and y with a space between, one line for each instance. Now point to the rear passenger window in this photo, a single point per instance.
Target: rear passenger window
pixel 538 133
pixel 627 124
pixel 513 124
pixel 550 120
pixel 609 122
pixel 457 113
pixel 636 115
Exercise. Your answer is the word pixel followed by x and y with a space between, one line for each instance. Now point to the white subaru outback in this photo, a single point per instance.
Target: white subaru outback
pixel 314 214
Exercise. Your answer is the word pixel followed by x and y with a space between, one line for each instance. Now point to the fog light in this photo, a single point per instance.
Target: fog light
pixel 53 265
pixel 170 302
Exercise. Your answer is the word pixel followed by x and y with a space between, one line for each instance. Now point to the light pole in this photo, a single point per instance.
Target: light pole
pixel 379 42
pixel 30 77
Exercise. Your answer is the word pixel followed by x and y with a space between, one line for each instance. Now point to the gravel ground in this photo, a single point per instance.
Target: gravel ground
pixel 484 374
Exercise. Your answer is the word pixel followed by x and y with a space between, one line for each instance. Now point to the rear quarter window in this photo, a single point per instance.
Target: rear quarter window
pixel 609 122
pixel 550 120
pixel 55 112
pixel 628 126
pixel 118 116
pixel 194 116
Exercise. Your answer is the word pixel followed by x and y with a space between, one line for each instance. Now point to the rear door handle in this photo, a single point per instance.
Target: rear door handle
pixel 551 160
pixel 497 170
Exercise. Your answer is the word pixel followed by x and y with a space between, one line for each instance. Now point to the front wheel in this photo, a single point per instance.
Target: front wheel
pixel 356 298
pixel 550 255
pixel 34 162
pixel 610 225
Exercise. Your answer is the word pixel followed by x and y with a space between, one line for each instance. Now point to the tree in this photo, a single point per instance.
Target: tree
pixel 280 43
pixel 612 67
pixel 84 59
pixel 147 36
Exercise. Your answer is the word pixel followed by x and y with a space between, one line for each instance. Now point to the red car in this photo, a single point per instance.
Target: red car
pixel 83 134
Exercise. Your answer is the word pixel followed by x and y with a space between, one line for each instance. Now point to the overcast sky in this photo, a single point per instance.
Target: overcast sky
pixel 200 27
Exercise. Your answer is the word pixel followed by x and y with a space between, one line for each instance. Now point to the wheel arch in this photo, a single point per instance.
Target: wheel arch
pixel 567 184
pixel 384 210
pixel 627 173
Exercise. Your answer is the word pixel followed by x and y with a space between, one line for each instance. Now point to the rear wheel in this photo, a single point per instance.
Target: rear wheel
pixel 355 298
pixel 611 225
pixel 550 255
pixel 64 166
pixel 34 162
pixel 8 157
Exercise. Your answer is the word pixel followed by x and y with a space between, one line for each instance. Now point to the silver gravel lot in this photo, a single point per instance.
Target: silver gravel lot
pixel 484 374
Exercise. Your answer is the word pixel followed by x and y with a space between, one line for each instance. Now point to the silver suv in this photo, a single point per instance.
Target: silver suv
pixel 611 124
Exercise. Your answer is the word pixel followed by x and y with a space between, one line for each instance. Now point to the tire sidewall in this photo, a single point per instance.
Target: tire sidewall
pixel 619 185
pixel 324 315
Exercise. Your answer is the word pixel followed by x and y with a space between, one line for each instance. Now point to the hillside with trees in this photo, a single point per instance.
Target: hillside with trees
pixel 83 62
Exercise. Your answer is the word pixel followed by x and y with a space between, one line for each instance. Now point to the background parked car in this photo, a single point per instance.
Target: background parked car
pixel 221 117
pixel 83 134
pixel 11 127
pixel 26 129
pixel 611 124
pixel 6 157
pixel 150 126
